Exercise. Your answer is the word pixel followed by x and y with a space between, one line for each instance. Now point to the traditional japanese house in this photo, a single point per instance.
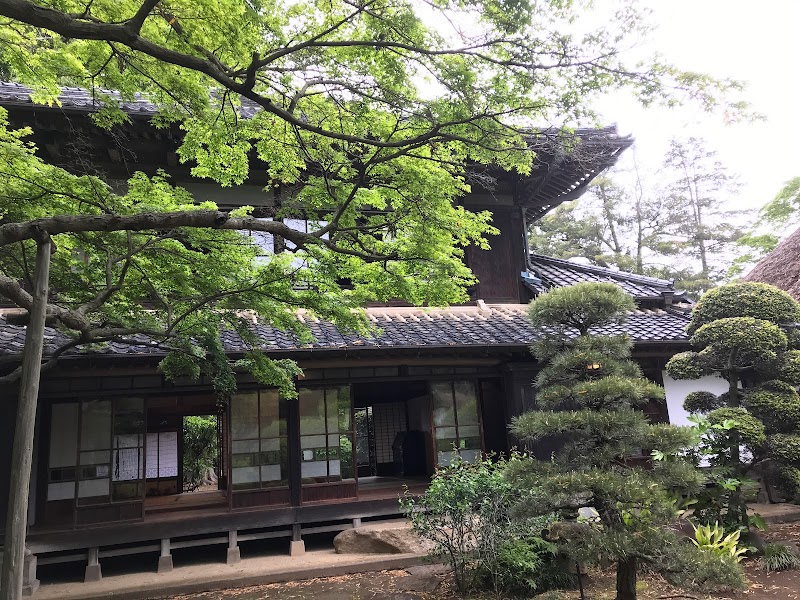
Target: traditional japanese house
pixel 374 413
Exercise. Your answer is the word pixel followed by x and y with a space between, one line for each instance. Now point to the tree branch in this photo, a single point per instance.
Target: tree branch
pixel 135 23
pixel 71 26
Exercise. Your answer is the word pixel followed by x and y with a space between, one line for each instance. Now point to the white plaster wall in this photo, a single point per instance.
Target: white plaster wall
pixel 677 390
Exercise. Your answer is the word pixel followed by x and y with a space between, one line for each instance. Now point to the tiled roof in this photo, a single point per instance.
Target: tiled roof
pixel 556 272
pixel 406 327
pixel 83 100
pixel 559 174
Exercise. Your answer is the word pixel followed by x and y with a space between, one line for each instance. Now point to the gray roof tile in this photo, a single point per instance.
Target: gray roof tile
pixel 556 272
pixel 406 327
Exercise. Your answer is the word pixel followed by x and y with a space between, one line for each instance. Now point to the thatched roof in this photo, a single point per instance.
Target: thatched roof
pixel 781 267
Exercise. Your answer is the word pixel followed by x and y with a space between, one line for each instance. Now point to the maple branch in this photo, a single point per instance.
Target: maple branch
pixel 127 33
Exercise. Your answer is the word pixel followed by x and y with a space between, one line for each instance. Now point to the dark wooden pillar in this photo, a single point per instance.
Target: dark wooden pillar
pixel 293 446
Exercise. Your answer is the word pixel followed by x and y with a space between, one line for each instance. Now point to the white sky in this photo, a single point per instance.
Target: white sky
pixel 758 42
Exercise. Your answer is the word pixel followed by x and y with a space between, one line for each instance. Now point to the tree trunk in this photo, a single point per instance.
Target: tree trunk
pixel 626 579
pixel 22 452
pixel 737 507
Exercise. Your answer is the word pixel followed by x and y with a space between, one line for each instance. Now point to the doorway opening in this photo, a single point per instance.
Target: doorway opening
pixel 200 454
pixel 393 434
pixel 183 462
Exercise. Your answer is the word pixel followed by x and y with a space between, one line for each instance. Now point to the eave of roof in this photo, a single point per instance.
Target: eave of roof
pixel 464 327
pixel 556 272
pixel 558 175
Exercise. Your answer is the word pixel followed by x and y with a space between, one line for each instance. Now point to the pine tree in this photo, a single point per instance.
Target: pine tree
pixel 745 333
pixel 587 396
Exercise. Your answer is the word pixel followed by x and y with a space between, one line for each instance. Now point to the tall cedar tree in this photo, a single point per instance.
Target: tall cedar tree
pixel 588 396
pixel 745 333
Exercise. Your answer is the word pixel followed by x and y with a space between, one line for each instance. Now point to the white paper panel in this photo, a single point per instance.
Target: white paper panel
pixel 314 469
pixel 93 487
pixel 245 474
pixel 272 444
pixel 127 465
pixel 271 473
pixel 314 441
pixel 244 446
pixel 162 454
pixel 63 490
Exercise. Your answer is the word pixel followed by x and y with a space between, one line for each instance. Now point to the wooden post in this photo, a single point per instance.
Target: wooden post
pixel 22 452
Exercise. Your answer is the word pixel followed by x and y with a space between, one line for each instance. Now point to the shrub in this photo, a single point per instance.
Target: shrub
pixel 199 450
pixel 776 404
pixel 779 557
pixel 750 429
pixel 595 380
pixel 744 333
pixel 467 514
pixel 694 568
pixel 785 447
pixel 702 402
pixel 751 299
pixel 525 566
pixel 713 539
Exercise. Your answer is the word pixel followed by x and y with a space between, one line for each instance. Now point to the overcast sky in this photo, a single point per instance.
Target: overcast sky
pixel 758 42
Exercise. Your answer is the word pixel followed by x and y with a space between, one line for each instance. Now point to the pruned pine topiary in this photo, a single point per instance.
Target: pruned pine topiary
pixel 750 299
pixel 745 333
pixel 588 394
pixel 702 402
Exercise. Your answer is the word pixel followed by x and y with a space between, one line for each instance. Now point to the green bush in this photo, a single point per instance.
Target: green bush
pixel 779 557
pixel 742 342
pixel 694 568
pixel 702 402
pixel 785 447
pixel 467 513
pixel 199 450
pixel 686 365
pixel 776 404
pixel 582 306
pixel 787 479
pixel 750 429
pixel 787 369
pixel 749 299
pixel 527 566
pixel 745 334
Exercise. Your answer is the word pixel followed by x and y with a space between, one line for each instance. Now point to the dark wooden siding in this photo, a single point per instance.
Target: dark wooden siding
pixel 8 413
pixel 498 269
